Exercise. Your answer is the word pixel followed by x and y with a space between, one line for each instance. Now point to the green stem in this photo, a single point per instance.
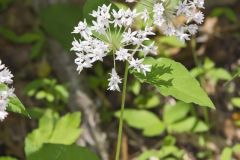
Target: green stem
pixel 120 129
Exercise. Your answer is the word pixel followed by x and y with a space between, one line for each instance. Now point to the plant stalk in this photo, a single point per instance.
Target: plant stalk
pixel 120 129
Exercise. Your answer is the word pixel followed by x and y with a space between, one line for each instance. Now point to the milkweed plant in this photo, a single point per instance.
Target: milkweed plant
pixel 113 33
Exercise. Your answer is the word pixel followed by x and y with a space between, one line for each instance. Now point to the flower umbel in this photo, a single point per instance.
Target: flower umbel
pixel 111 33
pixel 180 20
pixel 5 92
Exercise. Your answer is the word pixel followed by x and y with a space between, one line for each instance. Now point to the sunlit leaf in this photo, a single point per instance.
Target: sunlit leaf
pixel 144 120
pixel 173 79
pixel 63 152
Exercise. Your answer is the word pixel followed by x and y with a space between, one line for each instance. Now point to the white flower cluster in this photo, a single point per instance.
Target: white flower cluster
pixel 111 34
pixel 5 92
pixel 166 17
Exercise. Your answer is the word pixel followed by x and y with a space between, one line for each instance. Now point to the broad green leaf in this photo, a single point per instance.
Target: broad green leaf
pixel 7 158
pixel 25 38
pixel 53 129
pixel 37 38
pixel 135 87
pixel 147 154
pixel 236 148
pixel 200 127
pixel 191 124
pixel 63 152
pixel 59 21
pixel 186 125
pixel 50 97
pixel 173 79
pixel 42 134
pixel 219 74
pixel 62 91
pixel 147 101
pixel 236 101
pixel 208 64
pixel 68 124
pixel 16 106
pixel 170 150
pixel 226 154
pixel 195 72
pixel 172 41
pixel 144 120
pixel 174 113
pixel 41 95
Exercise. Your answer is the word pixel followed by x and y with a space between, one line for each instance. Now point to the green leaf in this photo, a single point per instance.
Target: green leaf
pixel 59 20
pixel 68 124
pixel 25 38
pixel 144 120
pixel 172 41
pixel 42 134
pixel 63 152
pixel 53 129
pixel 200 127
pixel 190 124
pixel 208 64
pixel 173 79
pixel 41 95
pixel 195 72
pixel 62 91
pixel 236 148
pixel 7 158
pixel 186 125
pixel 219 74
pixel 147 101
pixel 236 101
pixel 174 113
pixel 16 106
pixel 226 154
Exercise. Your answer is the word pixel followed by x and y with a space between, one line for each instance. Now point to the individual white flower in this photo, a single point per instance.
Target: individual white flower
pixel 118 15
pixel 6 76
pixel 3 115
pixel 5 92
pixel 198 17
pixel 198 3
pixel 138 65
pixel 122 54
pixel 152 49
pixel 182 35
pixel 192 29
pixel 83 29
pixel 129 37
pixel 145 15
pixel 128 17
pixel 111 33
pixel 114 81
